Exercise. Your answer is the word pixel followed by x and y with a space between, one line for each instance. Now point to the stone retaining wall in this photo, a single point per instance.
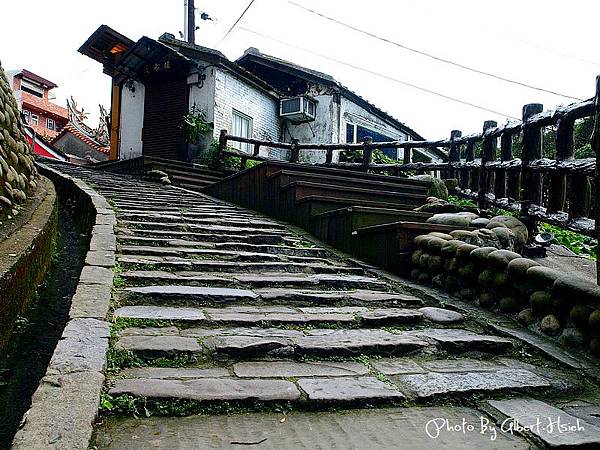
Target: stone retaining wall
pixel 558 304
pixel 65 404
pixel 25 255
pixel 18 174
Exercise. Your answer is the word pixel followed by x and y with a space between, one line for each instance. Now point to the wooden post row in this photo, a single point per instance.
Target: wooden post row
pixel 531 139
pixel 454 153
pixel 367 153
pixel 222 147
pixel 596 148
pixel 295 151
pixel 488 153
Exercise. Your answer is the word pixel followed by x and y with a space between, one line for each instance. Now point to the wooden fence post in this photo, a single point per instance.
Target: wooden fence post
pixel 488 153
pixel 565 150
pixel 367 153
pixel 295 152
pixel 222 147
pixel 531 191
pixel 407 155
pixel 454 153
pixel 256 151
pixel 472 181
pixel 329 156
pixel 596 148
pixel 505 155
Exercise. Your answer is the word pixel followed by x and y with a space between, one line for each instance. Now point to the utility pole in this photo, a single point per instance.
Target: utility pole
pixel 189 21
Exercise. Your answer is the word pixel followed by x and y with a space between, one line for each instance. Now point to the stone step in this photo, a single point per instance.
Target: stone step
pixel 245 343
pixel 553 426
pixel 259 238
pixel 191 212
pixel 374 429
pixel 259 315
pixel 356 298
pixel 199 294
pixel 274 342
pixel 186 226
pixel 215 254
pixel 316 390
pixel 148 279
pixel 188 295
pixel 233 220
pixel 188 245
pixel 175 263
pixel 435 384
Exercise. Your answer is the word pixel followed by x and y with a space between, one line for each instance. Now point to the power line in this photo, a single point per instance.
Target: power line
pixel 387 77
pixel 560 53
pixel 428 55
pixel 235 23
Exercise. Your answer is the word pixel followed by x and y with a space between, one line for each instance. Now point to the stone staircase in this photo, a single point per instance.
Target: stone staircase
pixel 219 309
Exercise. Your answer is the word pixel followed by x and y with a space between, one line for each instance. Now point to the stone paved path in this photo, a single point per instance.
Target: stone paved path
pixel 218 309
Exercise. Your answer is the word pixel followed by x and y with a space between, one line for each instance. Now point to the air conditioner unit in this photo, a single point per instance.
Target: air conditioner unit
pixel 298 109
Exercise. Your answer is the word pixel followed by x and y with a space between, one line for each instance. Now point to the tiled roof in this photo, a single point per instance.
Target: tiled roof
pixel 328 79
pixel 69 128
pixel 43 105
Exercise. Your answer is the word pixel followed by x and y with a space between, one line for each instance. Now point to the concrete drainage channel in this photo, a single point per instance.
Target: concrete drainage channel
pixel 65 403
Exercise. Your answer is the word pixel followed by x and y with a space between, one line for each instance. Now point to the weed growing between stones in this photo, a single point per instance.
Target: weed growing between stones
pixel 144 407
pixel 127 322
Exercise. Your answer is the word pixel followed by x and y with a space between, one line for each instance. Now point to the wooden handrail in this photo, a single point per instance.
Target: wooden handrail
pixel 534 185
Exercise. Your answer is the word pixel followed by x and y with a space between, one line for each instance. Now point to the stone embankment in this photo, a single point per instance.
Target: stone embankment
pixel 217 310
pixel 480 266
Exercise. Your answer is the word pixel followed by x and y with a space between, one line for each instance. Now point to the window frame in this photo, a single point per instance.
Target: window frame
pixel 242 146
pixel 48 120
pixel 35 119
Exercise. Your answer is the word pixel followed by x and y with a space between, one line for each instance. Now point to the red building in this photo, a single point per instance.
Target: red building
pixel 33 96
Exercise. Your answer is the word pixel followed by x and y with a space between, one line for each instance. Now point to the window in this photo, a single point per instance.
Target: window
pixel 50 124
pixel 32 88
pixel 356 134
pixel 26 115
pixel 241 126
pixel 35 120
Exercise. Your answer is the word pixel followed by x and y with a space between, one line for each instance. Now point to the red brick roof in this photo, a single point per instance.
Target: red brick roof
pixel 69 128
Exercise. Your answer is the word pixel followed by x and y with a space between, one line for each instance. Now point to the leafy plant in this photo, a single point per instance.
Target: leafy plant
pixel 195 125
pixel 576 242
pixel 459 201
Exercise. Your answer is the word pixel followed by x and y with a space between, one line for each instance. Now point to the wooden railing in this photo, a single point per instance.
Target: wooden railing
pixel 559 191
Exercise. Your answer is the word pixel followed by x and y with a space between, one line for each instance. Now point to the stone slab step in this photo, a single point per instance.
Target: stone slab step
pixel 354 297
pixel 374 429
pixel 274 342
pixel 349 390
pixel 216 254
pixel 254 281
pixel 198 294
pixel 293 369
pixel 254 316
pixel 542 420
pixel 186 245
pixel 258 238
pixel 232 220
pixel 457 340
pixel 176 263
pixel 208 389
pixel 444 384
pixel 185 226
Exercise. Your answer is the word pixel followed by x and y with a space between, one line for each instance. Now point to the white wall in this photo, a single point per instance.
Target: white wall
pixel 232 93
pixel 202 94
pixel 132 119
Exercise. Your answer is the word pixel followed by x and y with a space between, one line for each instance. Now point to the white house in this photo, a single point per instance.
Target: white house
pixel 156 82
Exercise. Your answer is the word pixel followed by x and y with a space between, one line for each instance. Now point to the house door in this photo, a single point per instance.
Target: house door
pixel 165 105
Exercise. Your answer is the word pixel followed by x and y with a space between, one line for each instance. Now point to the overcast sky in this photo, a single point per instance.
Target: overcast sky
pixel 547 43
